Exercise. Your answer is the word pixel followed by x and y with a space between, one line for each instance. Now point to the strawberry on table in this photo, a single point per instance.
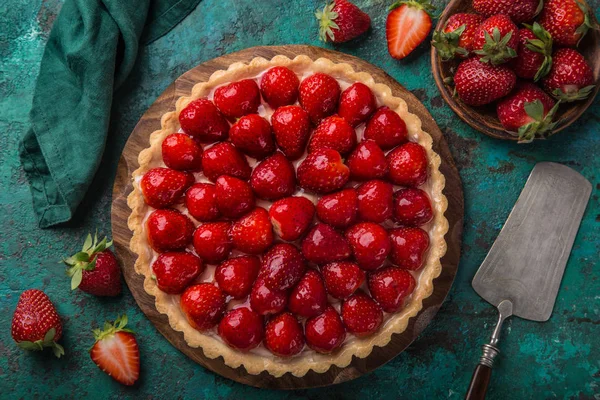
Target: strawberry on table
pixel 407 26
pixel 370 244
pixel 408 247
pixel 308 298
pixel 412 207
pixel 291 126
pixel 367 161
pixel 375 200
pixel 169 230
pixel 234 196
pixel 253 233
pixel 181 152
pixel 570 78
pixel 291 217
pixel 567 21
pixel 238 98
pixel 408 165
pixel 201 202
pixel 333 133
pixel 456 38
pixel 323 171
pixel 163 187
pixel 273 178
pixel 242 329
pixel 203 305
pixel 174 271
pixel 357 103
pixel 202 120
pixel 496 40
pixel 279 86
pixel 338 209
pixel 361 315
pixel 282 267
pixel 252 135
pixel 283 335
pixel 224 159
pixel 323 244
pixel 212 241
pixel 341 21
pixel 267 301
pixel 325 332
pixel 319 95
pixel 478 83
pixel 235 276
pixel 386 128
pixel 390 287
pixel 342 278
pixel 534 57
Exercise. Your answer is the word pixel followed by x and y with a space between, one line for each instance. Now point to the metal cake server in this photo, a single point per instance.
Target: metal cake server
pixel 522 272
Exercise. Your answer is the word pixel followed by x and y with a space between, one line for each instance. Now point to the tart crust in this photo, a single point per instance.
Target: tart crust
pixel 299 365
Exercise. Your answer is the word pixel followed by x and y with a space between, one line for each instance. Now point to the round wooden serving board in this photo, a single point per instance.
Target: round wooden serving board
pixel 150 122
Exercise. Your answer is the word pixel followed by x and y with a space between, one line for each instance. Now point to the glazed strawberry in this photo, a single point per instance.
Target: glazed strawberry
pixel 174 271
pixel 283 335
pixel 323 171
pixel 202 120
pixel 95 269
pixel 325 332
pixel 252 135
pixel 163 187
pixel 370 244
pixel 212 241
pixel 517 10
pixel 496 40
pixel 342 278
pixel 323 244
pixel 390 287
pixel 386 128
pixel 408 165
pixel 333 133
pixel 357 103
pixel 308 298
pixel 412 207
pixel 181 152
pixel 291 217
pixel 279 87
pixel 567 21
pixel 375 201
pixel 238 98
pixel 235 276
pixel 253 232
pixel 408 247
pixel 234 196
pixel 361 315
pixel 242 329
pixel 116 351
pixel 201 202
pixel 534 57
pixel 456 39
pixel 341 21
pixel 224 159
pixel 408 25
pixel 367 161
pixel 282 267
pixel 169 230
pixel 338 209
pixel 291 126
pixel 267 301
pixel 36 323
pixel 479 83
pixel 570 78
pixel 319 95
pixel 274 178
pixel 203 305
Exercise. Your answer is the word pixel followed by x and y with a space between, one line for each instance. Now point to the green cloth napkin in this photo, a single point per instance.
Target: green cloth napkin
pixel 90 53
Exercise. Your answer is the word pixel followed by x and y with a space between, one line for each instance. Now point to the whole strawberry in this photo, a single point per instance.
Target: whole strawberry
pixel 534 57
pixel 279 86
pixel 282 267
pixel 456 39
pixel 325 332
pixel 181 152
pixel 202 120
pixel 238 98
pixel 236 275
pixel 390 286
pixel 95 269
pixel 224 159
pixel 253 233
pixel 496 40
pixel 274 178
pixel 283 335
pixel 291 217
pixel 567 21
pixel 291 126
pixel 36 323
pixel 341 21
pixel 333 133
pixel 242 329
pixel 323 171
pixel 361 315
pixel 319 95
pixel 570 78
pixel 386 128
pixel 174 271
pixel 338 209
pixel 163 187
pixel 517 10
pixel 309 297
pixel 367 161
pixel 408 164
pixel 323 244
pixel 169 230
pixel 203 305
pixel 357 103
pixel 234 196
pixel 252 135
pixel 479 83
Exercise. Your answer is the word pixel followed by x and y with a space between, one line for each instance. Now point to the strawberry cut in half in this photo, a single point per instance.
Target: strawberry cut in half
pixel 407 26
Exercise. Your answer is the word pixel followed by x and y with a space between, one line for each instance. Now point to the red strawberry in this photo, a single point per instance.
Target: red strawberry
pixel 375 201
pixel 534 55
pixel 234 196
pixel 323 244
pixel 408 165
pixel 274 178
pixel 407 26
pixel 253 232
pixel 169 230
pixel 204 121
pixel 95 269
pixel 36 323
pixel 283 335
pixel 386 128
pixel 212 241
pixel 479 83
pixel 370 244
pixel 496 40
pixel 116 351
pixel 325 332
pixel 224 159
pixel 390 287
pixel 203 305
pixel 238 98
pixel 266 301
pixel 333 133
pixel 291 217
pixel 174 271
pixel 456 39
pixel 279 87
pixel 319 95
pixel 341 21
pixel 163 187
pixel 528 112
pixel 361 315
pixel 357 103
pixel 323 171
pixel 291 125
pixel 235 276
pixel 517 10
pixel 242 329
pixel 567 21
pixel 342 278
pixel 570 78
pixel 201 202
pixel 412 207
pixel 338 209
pixel 367 161
pixel 309 297
pixel 408 247
pixel 282 267
pixel 181 152
pixel 252 135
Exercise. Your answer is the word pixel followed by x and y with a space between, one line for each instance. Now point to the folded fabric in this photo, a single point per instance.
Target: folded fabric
pixel 90 52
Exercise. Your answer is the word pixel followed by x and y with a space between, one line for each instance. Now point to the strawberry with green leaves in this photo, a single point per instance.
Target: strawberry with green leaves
pixel 496 40
pixel 341 21
pixel 571 78
pixel 456 39
pixel 534 56
pixel 567 21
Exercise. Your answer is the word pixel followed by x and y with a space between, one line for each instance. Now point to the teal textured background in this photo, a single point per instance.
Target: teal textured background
pixel 556 359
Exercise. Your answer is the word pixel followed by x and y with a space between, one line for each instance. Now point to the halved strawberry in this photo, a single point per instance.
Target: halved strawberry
pixel 342 278
pixel 279 86
pixel 390 287
pixel 174 271
pixel 169 230
pixel 181 152
pixel 253 233
pixel 361 315
pixel 282 266
pixel 291 125
pixel 212 241
pixel 252 135
pixel 291 217
pixel 234 196
pixel 323 244
pixel 325 332
pixel 319 95
pixel 224 159
pixel 283 335
pixel 338 209
pixel 274 178
pixel 203 305
pixel 242 329
pixel 333 133
pixel 202 120
pixel 323 171
pixel 407 26
pixel 237 99
pixel 367 161
pixel 163 187
pixel 235 276
pixel 308 298
pixel 357 103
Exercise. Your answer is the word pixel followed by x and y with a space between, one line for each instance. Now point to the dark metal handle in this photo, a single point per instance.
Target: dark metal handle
pixel 479 383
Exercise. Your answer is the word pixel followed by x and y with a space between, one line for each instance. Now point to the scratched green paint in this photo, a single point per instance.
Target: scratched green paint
pixel 556 359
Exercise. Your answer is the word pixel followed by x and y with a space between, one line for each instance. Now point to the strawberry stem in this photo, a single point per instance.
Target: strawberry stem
pixel 424 5
pixel 110 329
pixel 542 124
pixel 542 45
pixel 48 341
pixel 326 19
pixel 85 259
pixel 496 49
pixel 446 43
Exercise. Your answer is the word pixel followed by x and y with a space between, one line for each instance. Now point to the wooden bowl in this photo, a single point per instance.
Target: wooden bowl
pixel 484 118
